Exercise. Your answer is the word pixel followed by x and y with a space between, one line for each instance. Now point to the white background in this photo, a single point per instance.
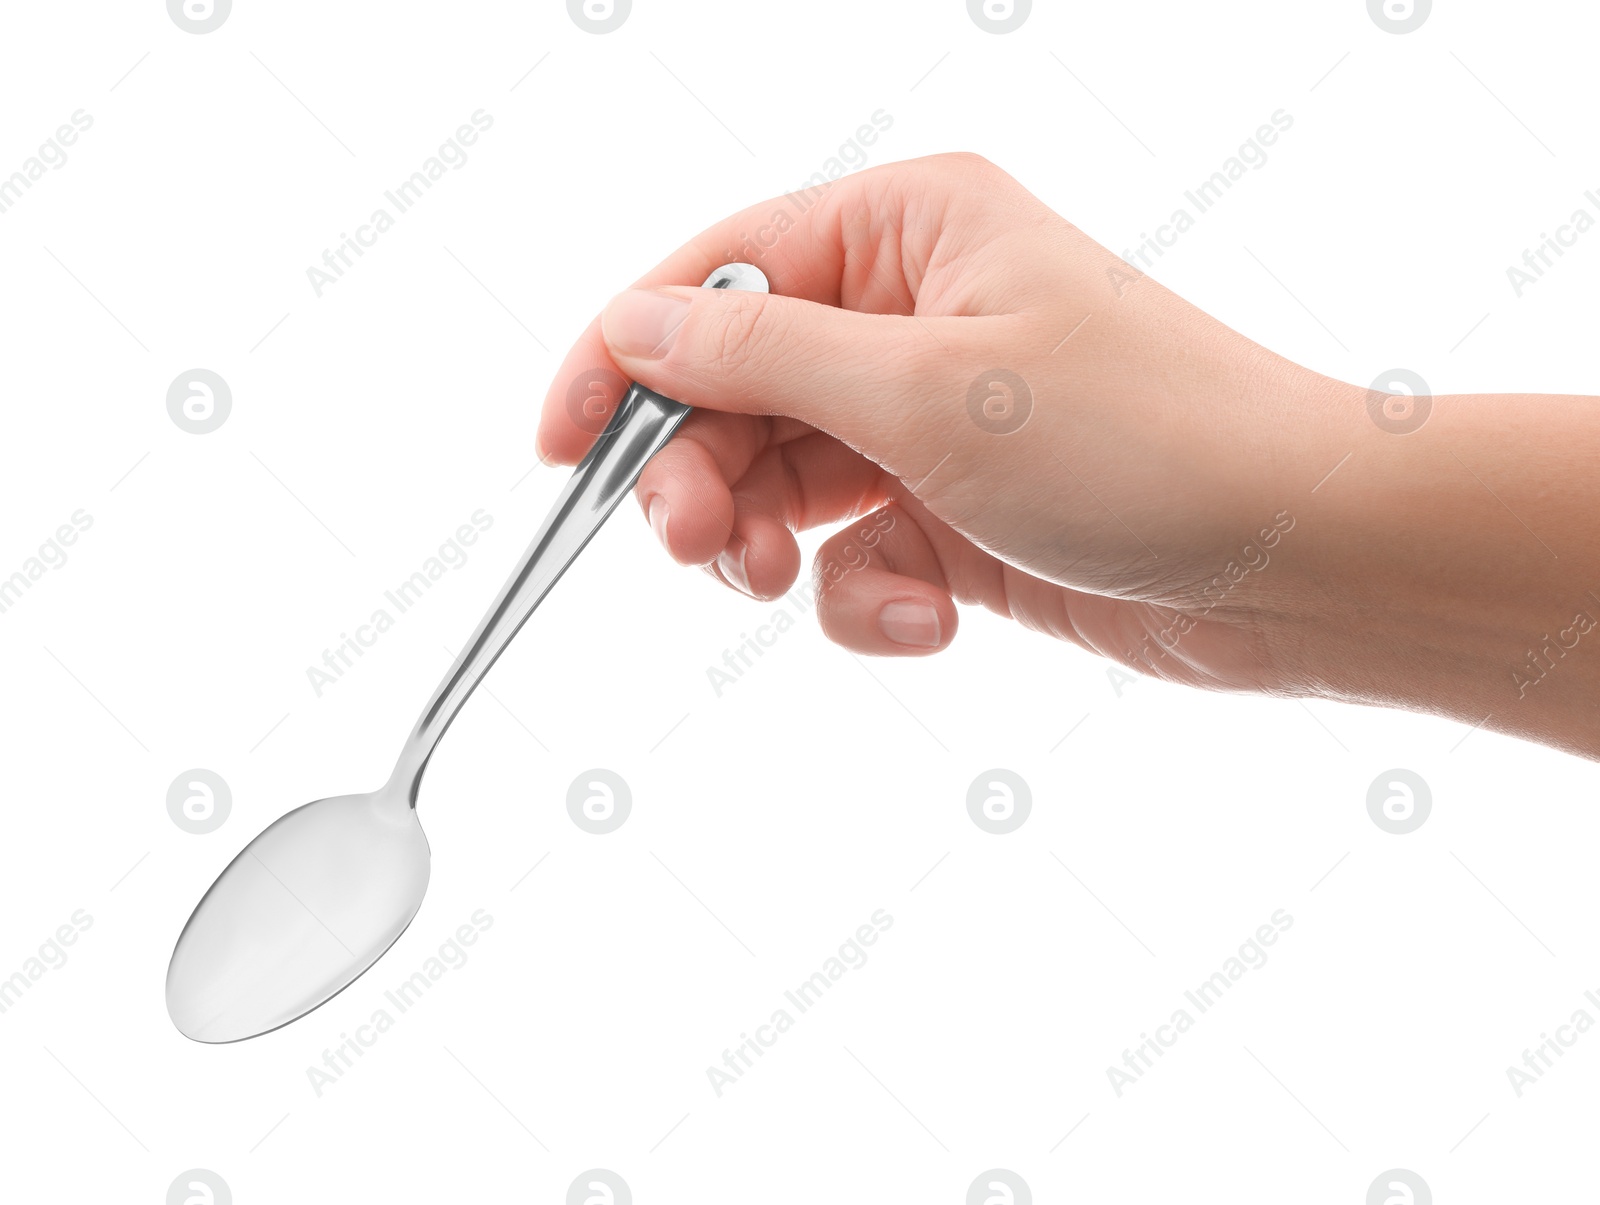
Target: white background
pixel 369 423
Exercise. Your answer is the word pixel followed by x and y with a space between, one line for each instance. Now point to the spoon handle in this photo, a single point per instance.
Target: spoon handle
pixel 644 421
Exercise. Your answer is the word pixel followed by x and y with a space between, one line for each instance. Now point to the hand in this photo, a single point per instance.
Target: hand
pixel 1004 412
pixel 1038 428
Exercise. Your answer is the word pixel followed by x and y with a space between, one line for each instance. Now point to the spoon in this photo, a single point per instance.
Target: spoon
pixel 325 890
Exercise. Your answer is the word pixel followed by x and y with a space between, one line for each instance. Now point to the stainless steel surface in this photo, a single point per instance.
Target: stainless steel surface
pixel 322 892
pixel 643 422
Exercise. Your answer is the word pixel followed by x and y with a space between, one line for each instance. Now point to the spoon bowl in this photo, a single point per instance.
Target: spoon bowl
pixel 303 910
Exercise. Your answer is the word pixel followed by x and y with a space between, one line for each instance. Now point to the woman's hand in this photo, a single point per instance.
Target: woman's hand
pixel 1015 416
pixel 1003 412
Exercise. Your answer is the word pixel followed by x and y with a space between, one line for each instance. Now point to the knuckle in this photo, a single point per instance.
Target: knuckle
pixel 968 173
pixel 969 165
pixel 744 334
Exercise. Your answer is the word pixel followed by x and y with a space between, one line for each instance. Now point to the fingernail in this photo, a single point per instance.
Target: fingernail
pixel 643 324
pixel 913 624
pixel 732 569
pixel 659 514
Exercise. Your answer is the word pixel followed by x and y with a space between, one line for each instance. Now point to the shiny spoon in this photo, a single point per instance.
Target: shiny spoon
pixel 324 891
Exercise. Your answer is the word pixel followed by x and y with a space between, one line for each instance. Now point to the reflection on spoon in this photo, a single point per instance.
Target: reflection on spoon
pixel 319 896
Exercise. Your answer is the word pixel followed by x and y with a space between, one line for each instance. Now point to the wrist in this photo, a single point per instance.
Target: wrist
pixel 1446 565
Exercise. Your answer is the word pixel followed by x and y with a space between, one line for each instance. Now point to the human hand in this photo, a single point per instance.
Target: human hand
pixel 1007 413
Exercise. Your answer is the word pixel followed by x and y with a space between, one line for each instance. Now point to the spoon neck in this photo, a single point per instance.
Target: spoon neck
pixel 643 422
pixel 405 780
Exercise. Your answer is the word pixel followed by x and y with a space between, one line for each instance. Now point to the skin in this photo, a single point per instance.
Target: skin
pixel 1177 498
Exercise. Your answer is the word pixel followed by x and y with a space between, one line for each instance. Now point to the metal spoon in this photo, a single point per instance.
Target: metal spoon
pixel 324 891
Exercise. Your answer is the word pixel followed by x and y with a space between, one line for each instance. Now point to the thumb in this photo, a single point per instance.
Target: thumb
pixel 856 376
